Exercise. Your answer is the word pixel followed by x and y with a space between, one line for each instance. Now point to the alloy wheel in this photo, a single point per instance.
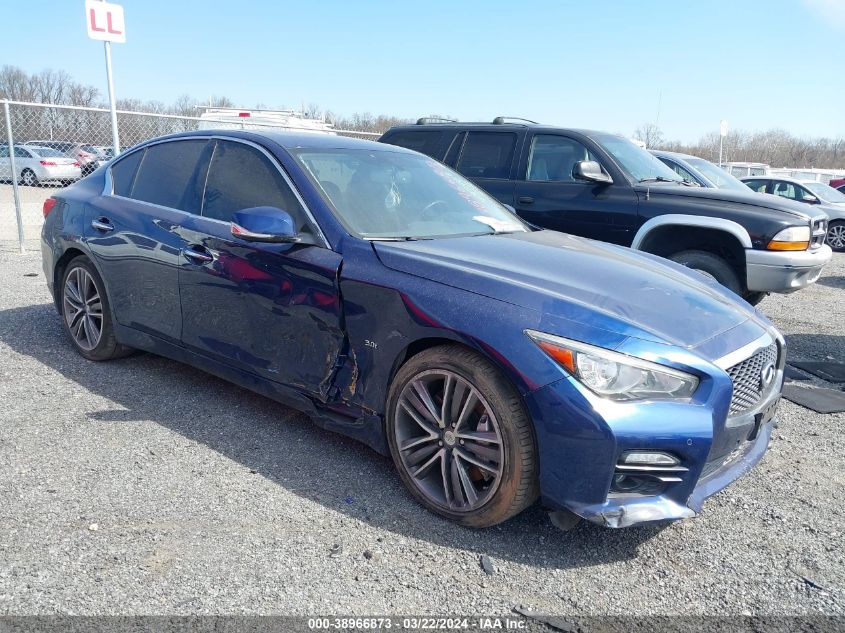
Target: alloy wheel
pixel 836 236
pixel 29 178
pixel 449 440
pixel 83 309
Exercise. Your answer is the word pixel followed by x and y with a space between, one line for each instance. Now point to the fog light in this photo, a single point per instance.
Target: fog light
pixel 653 458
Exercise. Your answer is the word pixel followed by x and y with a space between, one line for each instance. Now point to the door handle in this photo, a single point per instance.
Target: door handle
pixel 197 254
pixel 102 224
pixel 526 199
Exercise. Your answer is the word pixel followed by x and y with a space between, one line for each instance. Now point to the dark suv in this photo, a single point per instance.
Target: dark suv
pixel 603 186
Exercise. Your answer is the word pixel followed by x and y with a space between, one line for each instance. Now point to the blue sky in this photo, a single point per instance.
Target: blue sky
pixel 588 63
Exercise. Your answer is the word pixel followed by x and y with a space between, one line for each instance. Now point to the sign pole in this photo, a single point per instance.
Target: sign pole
pixel 105 22
pixel 723 132
pixel 112 104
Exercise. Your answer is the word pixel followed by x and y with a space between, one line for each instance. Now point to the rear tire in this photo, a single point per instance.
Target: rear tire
pixel 711 265
pixel 28 178
pixel 86 312
pixel 836 236
pixel 479 467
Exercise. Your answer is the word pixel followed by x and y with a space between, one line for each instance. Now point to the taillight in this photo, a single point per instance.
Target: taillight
pixel 85 155
pixel 49 203
pixel 77 164
pixel 47 163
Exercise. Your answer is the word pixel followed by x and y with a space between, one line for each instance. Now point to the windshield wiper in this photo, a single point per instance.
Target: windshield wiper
pixel 658 179
pixel 396 238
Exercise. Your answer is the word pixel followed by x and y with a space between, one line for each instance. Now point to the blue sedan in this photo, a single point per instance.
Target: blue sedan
pixel 397 303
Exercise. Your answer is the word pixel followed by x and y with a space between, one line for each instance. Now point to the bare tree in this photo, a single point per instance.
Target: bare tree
pixel 649 134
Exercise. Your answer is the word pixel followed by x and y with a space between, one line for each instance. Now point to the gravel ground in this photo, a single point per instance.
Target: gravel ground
pixel 143 486
pixel 32 200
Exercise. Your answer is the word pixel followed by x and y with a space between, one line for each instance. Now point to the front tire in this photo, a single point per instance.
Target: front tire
pixel 461 438
pixel 711 265
pixel 86 312
pixel 836 236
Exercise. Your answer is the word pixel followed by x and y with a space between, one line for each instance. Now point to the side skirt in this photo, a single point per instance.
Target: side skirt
pixel 367 428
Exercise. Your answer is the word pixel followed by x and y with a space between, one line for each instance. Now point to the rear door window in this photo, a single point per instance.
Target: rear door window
pixel 242 177
pixel 683 173
pixel 487 154
pixel 167 175
pixel 756 185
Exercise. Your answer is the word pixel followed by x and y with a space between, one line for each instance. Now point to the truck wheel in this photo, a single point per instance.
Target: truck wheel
pixel 710 265
pixel 755 297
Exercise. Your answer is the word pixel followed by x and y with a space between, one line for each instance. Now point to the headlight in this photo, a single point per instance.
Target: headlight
pixel 613 375
pixel 793 238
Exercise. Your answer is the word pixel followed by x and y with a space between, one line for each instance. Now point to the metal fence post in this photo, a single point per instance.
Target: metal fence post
pixel 17 193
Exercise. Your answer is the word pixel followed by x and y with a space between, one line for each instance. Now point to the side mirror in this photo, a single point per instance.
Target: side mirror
pixel 590 171
pixel 264 224
pixel 810 199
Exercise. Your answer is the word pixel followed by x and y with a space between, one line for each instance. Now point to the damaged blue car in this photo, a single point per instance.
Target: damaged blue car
pixel 397 303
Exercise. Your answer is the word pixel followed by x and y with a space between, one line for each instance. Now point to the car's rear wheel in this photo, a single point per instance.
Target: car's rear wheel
pixel 28 178
pixel 836 236
pixel 711 265
pixel 86 312
pixel 461 438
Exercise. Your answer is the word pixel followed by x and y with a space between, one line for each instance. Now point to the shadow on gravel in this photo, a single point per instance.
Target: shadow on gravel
pixel 815 347
pixel 833 282
pixel 275 442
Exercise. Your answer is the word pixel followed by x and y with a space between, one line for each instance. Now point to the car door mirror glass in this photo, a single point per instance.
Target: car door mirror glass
pixel 590 171
pixel 264 224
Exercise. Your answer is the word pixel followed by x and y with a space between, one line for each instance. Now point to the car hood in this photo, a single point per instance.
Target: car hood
pixel 585 281
pixel 834 210
pixel 751 199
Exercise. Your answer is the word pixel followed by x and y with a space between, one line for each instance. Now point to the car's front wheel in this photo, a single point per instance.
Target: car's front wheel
pixel 461 438
pixel 836 236
pixel 86 314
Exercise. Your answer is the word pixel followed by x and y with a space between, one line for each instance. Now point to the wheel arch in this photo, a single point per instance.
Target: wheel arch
pixel 674 233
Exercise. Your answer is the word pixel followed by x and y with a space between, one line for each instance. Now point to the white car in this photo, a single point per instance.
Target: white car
pixel 35 165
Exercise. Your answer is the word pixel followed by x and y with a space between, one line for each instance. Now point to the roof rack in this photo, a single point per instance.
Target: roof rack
pixel 434 119
pixel 499 120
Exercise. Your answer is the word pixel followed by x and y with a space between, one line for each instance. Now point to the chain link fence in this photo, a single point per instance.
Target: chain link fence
pixel 46 146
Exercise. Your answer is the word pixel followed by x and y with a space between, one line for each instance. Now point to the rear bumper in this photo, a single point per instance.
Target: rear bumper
pixel 60 173
pixel 784 271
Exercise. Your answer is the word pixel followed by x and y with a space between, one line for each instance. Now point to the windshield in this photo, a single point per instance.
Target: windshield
pixel 385 194
pixel 45 152
pixel 717 175
pixel 825 192
pixel 638 163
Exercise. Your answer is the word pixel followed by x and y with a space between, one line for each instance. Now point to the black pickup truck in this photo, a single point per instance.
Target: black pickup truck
pixel 605 187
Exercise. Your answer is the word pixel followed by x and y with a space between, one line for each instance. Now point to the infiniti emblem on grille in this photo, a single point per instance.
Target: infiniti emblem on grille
pixel 767 375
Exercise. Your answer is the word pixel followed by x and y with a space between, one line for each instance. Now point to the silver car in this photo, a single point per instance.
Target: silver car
pixel 825 197
pixel 35 165
pixel 699 171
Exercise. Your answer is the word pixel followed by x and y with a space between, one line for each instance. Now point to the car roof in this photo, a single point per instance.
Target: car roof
pixel 294 140
pixel 797 181
pixel 497 126
pixel 663 152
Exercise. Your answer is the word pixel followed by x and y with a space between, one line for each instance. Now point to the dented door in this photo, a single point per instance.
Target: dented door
pixel 269 309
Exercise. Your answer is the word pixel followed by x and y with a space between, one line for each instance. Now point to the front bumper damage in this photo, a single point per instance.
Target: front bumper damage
pixel 622 512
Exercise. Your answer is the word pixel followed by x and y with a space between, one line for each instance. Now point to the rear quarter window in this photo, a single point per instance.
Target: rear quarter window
pixel 428 142
pixel 123 173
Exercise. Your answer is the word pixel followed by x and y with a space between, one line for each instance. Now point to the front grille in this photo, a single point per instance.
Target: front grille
pixel 819 230
pixel 748 380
